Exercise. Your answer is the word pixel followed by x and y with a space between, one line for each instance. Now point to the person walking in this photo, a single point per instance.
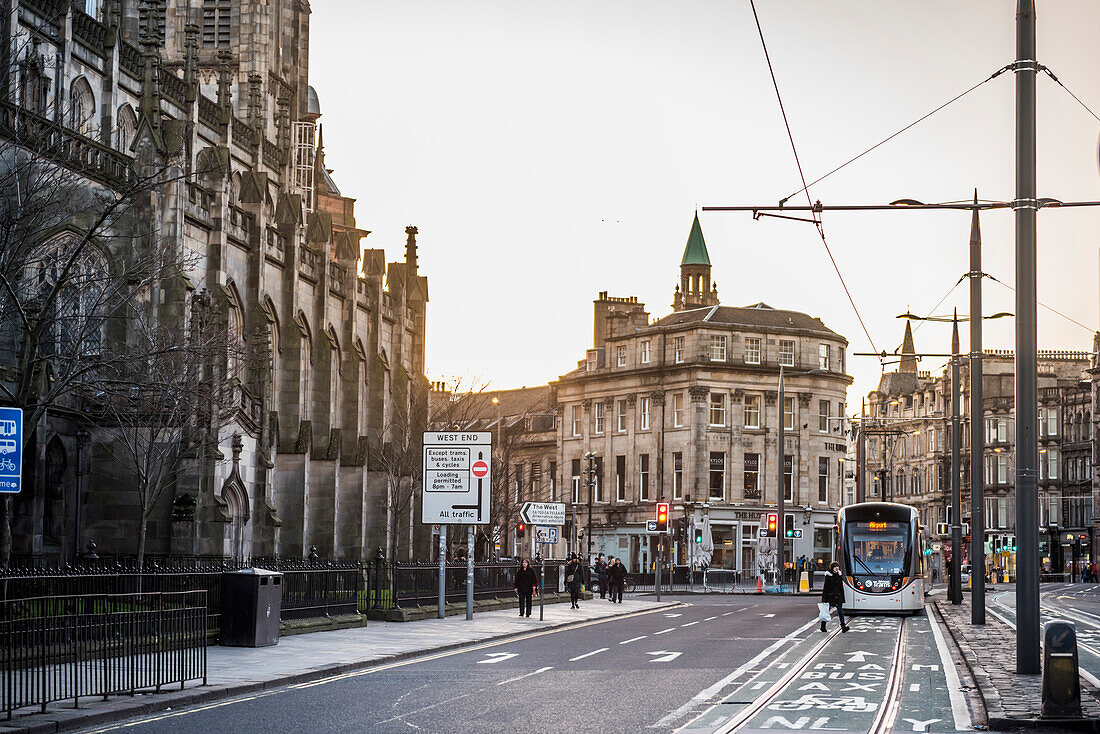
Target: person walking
pixel 616 579
pixel 832 593
pixel 526 585
pixel 600 567
pixel 573 579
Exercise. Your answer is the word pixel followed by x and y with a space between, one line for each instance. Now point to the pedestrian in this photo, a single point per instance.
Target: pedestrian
pixel 832 593
pixel 526 585
pixel 810 563
pixel 616 579
pixel 574 579
pixel 600 568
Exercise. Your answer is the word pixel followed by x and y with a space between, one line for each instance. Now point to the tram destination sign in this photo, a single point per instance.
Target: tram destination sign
pixel 457 477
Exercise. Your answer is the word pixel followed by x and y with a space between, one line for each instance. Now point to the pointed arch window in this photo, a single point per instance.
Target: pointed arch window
pixel 81 106
pixel 73 274
pixel 125 128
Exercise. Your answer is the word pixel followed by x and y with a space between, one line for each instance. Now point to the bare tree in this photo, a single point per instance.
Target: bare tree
pixel 163 398
pixel 79 246
pixel 401 459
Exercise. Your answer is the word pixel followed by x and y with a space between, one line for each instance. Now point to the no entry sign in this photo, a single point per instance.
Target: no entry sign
pixel 479 469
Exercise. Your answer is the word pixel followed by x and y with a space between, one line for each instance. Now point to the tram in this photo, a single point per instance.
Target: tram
pixel 879 547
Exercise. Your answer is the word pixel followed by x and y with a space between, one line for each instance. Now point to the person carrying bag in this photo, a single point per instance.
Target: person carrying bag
pixel 832 595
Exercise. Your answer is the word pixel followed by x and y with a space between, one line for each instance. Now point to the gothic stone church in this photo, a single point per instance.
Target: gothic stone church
pixel 221 89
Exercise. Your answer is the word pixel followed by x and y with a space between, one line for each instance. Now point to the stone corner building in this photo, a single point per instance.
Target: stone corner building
pixel 684 409
pixel 296 462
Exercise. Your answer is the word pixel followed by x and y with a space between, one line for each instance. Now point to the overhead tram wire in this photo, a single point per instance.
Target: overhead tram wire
pixel 816 219
pixel 1049 308
pixel 914 123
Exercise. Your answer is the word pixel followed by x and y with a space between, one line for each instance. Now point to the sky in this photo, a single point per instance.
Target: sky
pixel 550 151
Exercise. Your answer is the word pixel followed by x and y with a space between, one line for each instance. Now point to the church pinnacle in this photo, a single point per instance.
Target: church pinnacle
pixel 695 289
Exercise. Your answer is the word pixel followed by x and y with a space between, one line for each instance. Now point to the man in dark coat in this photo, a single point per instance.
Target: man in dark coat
pixel 600 567
pixel 616 579
pixel 832 593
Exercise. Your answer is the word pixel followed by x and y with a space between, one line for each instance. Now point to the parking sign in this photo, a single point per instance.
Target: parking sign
pixel 11 450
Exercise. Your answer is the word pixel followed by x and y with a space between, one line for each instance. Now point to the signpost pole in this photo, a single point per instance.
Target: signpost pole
pixel 470 572
pixel 442 571
pixel 542 582
pixel 660 559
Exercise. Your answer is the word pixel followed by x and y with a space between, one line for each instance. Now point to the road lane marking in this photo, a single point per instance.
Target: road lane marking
pixel 588 654
pixel 768 615
pixel 914 687
pixel 526 675
pixel 690 623
pixel 709 618
pixel 959 711
pixel 666 656
pixel 664 631
pixel 634 639
pixel 713 690
pixel 729 613
pixel 1084 673
pixel 497 657
pixel 670 616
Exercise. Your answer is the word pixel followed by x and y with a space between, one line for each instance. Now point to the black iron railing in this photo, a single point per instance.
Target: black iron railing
pixel 57 648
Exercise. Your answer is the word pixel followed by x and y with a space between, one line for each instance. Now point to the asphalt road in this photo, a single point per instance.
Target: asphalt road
pixel 653 671
pixel 1078 603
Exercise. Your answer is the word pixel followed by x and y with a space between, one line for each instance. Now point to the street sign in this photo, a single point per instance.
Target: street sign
pixel 456 487
pixel 543 513
pixel 11 450
pixel 651 526
pixel 547 535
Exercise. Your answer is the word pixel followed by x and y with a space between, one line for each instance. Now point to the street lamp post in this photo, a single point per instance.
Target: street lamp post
pixel 956 450
pixel 780 531
pixel 977 435
pixel 590 483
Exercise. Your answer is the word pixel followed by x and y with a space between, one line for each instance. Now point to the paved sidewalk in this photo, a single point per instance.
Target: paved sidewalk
pixel 1012 701
pixel 236 670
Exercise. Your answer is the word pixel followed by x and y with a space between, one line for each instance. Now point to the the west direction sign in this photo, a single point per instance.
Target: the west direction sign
pixel 543 513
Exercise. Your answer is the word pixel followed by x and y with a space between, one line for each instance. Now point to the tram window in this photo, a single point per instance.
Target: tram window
pixel 878 548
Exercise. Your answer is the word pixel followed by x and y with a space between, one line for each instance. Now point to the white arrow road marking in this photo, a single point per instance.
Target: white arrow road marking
pixel 859 656
pixel 665 656
pixel 768 615
pixel 588 654
pixel 525 675
pixel 497 657
pixel 634 639
pixel 677 614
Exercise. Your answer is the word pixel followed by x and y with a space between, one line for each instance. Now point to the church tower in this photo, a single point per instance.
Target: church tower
pixel 695 289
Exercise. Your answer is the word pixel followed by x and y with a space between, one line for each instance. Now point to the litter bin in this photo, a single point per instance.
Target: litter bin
pixel 251 603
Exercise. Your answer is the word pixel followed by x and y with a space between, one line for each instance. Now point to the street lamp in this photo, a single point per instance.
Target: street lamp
pixel 590 483
pixel 782 484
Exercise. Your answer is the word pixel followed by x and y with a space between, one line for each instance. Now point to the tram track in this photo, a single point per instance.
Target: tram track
pixel 885 714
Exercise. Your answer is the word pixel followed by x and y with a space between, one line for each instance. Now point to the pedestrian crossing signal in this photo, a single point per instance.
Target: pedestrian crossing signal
pixel 698 535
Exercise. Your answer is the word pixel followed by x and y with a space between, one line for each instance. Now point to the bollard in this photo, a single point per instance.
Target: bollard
pixel 1061 675
pixel 804 583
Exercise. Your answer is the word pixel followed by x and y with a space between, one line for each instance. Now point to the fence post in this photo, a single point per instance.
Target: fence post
pixel 393 584
pixel 45 654
pixel 379 558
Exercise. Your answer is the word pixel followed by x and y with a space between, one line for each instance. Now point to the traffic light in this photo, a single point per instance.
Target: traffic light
pixel 521 530
pixel 698 535
pixel 788 526
pixel 997 543
pixel 773 525
pixel 942 529
pixel 662 517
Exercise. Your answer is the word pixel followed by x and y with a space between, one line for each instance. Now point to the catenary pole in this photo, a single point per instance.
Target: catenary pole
pixel 1027 445
pixel 861 454
pixel 780 530
pixel 956 449
pixel 977 424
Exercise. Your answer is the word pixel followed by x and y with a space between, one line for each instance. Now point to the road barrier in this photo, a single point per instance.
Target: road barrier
pixel 71 647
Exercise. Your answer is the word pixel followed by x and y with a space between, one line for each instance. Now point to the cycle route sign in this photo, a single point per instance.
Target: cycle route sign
pixel 11 450
pixel 457 477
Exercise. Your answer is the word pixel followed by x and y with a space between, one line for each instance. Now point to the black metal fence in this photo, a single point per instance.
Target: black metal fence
pixel 404 585
pixel 57 648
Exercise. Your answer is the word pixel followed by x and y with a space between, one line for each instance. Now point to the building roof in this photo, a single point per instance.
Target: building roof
pixel 478 411
pixel 695 252
pixel 759 315
pixel 899 383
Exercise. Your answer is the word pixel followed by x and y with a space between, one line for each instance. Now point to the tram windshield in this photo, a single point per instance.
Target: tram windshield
pixel 878 548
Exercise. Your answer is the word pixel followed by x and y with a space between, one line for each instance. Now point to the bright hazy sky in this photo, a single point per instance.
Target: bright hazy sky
pixel 549 151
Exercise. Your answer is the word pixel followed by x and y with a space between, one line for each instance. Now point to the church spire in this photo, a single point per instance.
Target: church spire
pixel 908 351
pixel 695 290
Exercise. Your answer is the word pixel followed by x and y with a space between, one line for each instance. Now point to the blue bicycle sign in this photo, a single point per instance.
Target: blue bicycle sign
pixel 11 450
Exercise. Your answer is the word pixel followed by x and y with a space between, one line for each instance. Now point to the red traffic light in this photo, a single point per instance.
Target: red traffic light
pixel 521 529
pixel 662 516
pixel 773 524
